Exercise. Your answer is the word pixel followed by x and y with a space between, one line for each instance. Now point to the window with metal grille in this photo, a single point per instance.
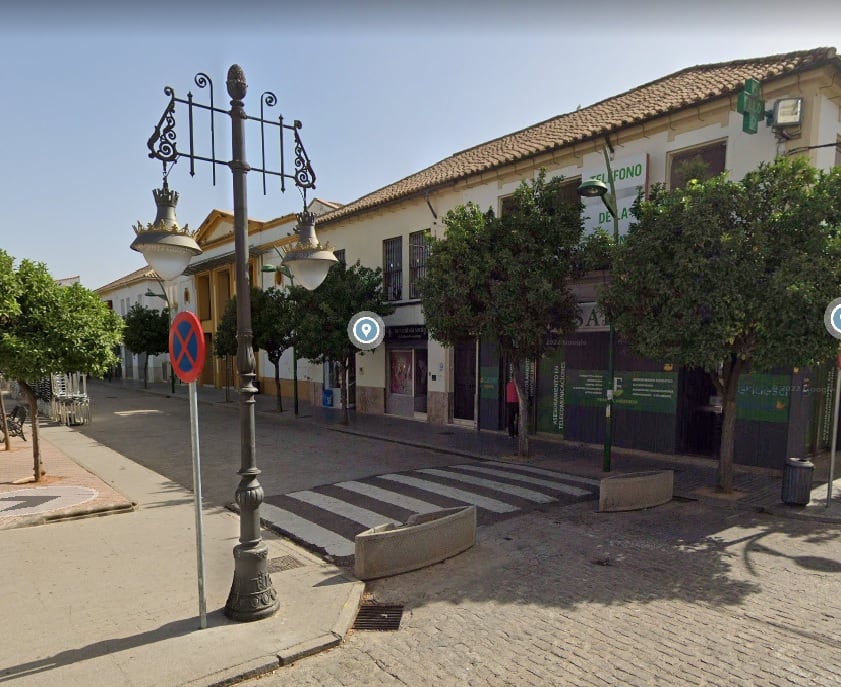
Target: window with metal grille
pixel 393 268
pixel 340 255
pixel 417 261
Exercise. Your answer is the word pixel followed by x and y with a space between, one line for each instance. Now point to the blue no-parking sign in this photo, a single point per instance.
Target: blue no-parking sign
pixel 186 347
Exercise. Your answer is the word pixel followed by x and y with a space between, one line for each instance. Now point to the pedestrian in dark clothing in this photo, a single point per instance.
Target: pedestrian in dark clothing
pixel 512 402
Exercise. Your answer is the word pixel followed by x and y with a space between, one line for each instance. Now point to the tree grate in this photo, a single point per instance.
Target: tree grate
pixel 378 617
pixel 283 563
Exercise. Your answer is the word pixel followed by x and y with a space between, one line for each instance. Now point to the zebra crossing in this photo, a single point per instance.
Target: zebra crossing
pixel 328 517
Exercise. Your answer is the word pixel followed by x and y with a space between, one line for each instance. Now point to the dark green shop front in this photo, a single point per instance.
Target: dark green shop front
pixel 659 408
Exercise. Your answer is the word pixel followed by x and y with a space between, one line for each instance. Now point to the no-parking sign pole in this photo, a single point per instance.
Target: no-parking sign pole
pixel 832 322
pixel 187 352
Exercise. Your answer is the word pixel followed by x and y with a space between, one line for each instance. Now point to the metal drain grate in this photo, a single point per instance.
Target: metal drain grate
pixel 378 617
pixel 283 563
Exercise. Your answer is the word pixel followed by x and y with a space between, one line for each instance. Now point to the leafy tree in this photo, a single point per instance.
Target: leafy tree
pixel 9 307
pixel 47 329
pixel 506 278
pixel 729 275
pixel 272 324
pixel 324 314
pixel 595 251
pixel 146 331
pixel 274 327
pixel 225 339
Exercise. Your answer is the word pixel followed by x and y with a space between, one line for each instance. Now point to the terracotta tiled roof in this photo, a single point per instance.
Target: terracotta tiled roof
pixel 671 93
pixel 139 275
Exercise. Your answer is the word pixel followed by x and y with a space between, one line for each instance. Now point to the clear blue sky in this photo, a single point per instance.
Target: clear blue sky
pixel 384 89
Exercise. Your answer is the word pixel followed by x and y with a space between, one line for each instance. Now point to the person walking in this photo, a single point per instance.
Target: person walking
pixel 512 402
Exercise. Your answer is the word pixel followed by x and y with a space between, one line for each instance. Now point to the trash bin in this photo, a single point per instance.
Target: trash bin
pixel 327 398
pixel 797 481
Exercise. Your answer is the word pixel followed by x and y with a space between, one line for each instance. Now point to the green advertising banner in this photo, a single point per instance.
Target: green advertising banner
pixel 551 392
pixel 765 398
pixel 650 392
pixel 489 382
pixel 585 387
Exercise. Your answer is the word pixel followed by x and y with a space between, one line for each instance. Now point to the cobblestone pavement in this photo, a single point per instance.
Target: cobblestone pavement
pixel 685 594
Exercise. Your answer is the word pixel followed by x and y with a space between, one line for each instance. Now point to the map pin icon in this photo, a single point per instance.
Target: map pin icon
pixel 366 329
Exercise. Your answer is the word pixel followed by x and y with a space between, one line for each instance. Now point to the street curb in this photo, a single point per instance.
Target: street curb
pixel 784 512
pixel 38 520
pixel 236 674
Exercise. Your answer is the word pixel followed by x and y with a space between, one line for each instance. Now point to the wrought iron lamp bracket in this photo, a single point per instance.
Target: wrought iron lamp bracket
pixel 163 144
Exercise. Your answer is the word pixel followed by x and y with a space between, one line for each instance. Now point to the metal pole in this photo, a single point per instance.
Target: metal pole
pixel 252 595
pixel 295 379
pixel 608 429
pixel 834 434
pixel 194 436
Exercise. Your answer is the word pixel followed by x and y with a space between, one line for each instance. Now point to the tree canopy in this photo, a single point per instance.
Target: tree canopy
pixel 146 331
pixel 505 278
pixel 324 314
pixel 724 275
pixel 48 328
pixel 274 328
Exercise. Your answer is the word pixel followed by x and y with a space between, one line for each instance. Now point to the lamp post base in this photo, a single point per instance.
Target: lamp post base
pixel 252 595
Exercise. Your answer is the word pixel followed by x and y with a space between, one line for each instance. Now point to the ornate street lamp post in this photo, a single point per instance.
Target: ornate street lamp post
pixel 590 189
pixel 252 594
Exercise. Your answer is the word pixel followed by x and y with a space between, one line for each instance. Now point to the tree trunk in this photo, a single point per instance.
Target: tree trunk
pixel 343 393
pixel 277 385
pixel 522 415
pixel 729 386
pixel 3 426
pixel 146 371
pixel 37 467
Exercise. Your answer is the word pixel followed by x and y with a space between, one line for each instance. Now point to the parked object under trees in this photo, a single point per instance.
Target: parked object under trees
pixel 732 275
pixel 47 329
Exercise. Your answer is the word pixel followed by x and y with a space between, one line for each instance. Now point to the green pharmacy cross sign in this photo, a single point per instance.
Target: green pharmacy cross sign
pixel 751 105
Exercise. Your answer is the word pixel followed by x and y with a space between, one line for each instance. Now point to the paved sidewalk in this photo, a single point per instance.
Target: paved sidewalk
pixel 114 600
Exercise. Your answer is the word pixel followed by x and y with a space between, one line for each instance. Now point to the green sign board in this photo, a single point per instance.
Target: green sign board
pixel 551 392
pixel 489 382
pixel 765 398
pixel 650 392
pixel 751 106
pixel 585 387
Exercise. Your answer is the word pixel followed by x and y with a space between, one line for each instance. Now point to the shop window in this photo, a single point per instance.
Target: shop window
pixel 401 373
pixel 418 251
pixel 393 268
pixel 702 162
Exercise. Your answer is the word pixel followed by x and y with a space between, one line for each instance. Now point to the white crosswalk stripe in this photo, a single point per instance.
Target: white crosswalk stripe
pixel 550 473
pixel 347 510
pixel 307 531
pixel 353 503
pixel 450 492
pixel 392 497
pixel 552 484
pixel 522 492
